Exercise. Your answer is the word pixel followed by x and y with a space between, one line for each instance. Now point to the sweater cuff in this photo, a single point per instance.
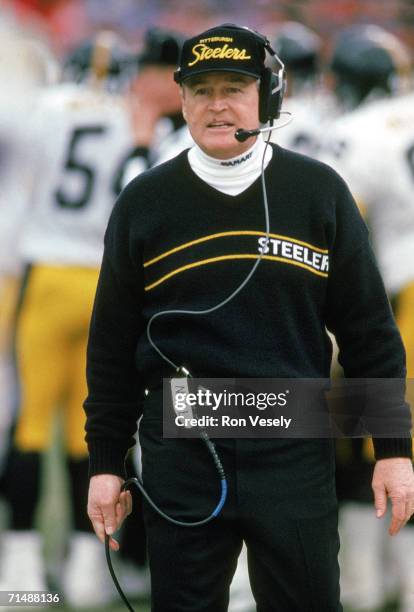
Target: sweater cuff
pixel 106 457
pixel 385 448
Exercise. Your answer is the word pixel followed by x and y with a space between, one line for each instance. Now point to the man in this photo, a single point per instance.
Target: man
pixel 312 106
pixel 27 67
pixel 158 126
pixel 183 236
pixel 368 63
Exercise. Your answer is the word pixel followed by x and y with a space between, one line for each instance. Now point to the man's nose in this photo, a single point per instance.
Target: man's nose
pixel 217 102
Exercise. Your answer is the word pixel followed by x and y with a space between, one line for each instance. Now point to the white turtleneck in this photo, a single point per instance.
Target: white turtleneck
pixel 230 176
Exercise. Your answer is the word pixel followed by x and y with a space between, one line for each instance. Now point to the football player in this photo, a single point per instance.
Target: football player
pixel 308 100
pixel 80 136
pixel 368 63
pixel 27 66
pixel 372 148
pixel 159 129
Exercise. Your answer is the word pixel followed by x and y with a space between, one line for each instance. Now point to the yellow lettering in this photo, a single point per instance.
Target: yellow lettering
pixel 196 53
pixel 216 39
pixel 202 52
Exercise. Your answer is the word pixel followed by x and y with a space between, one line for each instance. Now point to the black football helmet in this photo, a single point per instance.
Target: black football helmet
pixel 100 60
pixel 299 49
pixel 368 60
pixel 161 47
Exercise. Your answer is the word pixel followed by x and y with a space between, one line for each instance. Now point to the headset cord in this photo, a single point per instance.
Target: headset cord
pixel 235 292
pixel 203 434
pixel 138 483
pixel 113 575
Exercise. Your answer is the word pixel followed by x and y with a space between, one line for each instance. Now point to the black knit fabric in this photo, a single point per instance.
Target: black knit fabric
pixel 175 242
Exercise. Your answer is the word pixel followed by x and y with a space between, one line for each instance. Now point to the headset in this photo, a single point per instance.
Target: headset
pixel 271 91
pixel 272 84
pixel 272 88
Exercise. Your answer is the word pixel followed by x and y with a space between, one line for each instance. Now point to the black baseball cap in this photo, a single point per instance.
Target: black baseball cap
pixel 161 47
pixel 224 48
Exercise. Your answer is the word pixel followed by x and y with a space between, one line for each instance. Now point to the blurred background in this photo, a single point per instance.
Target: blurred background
pixel 66 22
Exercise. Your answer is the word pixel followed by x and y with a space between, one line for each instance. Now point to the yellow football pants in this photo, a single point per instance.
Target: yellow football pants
pixel 405 322
pixel 52 332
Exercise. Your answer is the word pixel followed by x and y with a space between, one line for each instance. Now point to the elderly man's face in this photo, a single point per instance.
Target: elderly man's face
pixel 215 105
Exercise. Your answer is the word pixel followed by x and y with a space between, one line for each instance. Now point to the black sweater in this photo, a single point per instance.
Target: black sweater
pixel 174 242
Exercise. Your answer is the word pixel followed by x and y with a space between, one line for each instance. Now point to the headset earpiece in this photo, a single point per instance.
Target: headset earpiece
pixel 271 92
pixel 264 95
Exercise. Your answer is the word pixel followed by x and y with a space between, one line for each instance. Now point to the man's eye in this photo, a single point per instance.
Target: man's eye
pixel 201 91
pixel 234 90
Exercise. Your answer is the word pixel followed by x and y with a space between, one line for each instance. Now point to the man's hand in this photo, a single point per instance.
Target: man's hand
pixel 153 95
pixel 107 506
pixel 394 477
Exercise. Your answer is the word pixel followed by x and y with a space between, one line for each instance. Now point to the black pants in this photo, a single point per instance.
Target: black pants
pixel 281 502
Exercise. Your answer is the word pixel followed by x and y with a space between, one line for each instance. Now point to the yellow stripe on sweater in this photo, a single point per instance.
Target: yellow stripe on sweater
pixel 205 262
pixel 186 245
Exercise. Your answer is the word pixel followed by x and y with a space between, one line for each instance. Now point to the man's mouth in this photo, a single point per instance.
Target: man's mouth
pixel 220 125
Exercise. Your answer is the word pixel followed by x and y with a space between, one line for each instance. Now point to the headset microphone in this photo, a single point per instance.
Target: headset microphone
pixel 242 135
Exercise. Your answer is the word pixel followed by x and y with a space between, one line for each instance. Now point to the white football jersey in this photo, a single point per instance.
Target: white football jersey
pixel 372 148
pixel 15 177
pixel 26 66
pixel 173 144
pixel 81 138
